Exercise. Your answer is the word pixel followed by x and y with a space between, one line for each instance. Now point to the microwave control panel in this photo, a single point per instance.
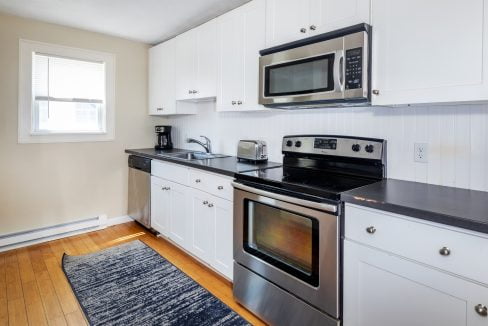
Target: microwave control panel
pixel 354 68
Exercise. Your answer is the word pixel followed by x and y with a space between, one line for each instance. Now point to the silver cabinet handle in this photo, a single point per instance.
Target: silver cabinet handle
pixel 303 30
pixel 233 102
pixel 376 92
pixel 220 187
pixel 194 92
pixel 482 310
pixel 239 102
pixel 159 109
pixel 189 91
pixel 371 230
pixel 198 180
pixel 165 188
pixel 205 202
pixel 210 205
pixel 444 251
pixel 313 27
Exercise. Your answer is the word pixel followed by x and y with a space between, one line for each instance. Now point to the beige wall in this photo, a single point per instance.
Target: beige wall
pixel 47 184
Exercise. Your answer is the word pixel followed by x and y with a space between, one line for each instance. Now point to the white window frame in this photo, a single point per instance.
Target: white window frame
pixel 26 99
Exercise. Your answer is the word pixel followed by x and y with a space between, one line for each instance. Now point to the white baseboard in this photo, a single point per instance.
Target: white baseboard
pixel 31 237
pixel 119 220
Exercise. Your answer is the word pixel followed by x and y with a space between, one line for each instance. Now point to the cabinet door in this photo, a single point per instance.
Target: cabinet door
pixel 162 79
pixel 185 65
pixel 286 21
pixel 253 20
pixel 206 76
pixel 240 40
pixel 230 60
pixel 381 289
pixel 201 226
pixel 429 51
pixel 329 15
pixel 223 241
pixel 160 205
pixel 178 214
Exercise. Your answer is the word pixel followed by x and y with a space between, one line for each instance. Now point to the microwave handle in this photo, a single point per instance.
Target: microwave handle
pixel 339 71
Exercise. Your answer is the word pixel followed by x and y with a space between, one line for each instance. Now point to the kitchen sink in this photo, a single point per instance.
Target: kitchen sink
pixel 191 156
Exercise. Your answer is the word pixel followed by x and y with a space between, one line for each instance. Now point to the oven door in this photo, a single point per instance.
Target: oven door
pixel 291 242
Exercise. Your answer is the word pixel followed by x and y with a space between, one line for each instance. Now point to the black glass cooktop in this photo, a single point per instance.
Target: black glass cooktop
pixel 298 181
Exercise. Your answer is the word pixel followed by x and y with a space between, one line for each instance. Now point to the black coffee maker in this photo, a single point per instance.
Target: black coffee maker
pixel 164 137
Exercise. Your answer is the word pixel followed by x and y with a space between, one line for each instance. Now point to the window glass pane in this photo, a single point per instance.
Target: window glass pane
pixel 68 116
pixel 68 78
pixel 40 72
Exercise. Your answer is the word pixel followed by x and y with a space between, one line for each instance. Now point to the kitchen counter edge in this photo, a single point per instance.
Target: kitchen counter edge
pixel 462 208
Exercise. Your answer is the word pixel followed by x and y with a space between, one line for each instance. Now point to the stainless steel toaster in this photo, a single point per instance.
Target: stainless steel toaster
pixel 252 150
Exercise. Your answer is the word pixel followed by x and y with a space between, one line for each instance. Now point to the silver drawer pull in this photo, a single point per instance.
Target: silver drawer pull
pixel 239 102
pixel 482 310
pixel 303 30
pixel 234 102
pixel 159 109
pixel 313 27
pixel 165 188
pixel 371 229
pixel 444 251
pixel 220 187
pixel 198 180
pixel 205 202
pixel 210 205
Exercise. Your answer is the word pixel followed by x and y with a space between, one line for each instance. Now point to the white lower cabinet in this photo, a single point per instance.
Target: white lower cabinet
pixel 198 217
pixel 169 214
pixel 407 272
pixel 382 289
pixel 201 227
pixel 223 240
pixel 211 230
pixel 160 203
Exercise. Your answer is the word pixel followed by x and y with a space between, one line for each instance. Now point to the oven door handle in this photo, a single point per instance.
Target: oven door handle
pixel 292 200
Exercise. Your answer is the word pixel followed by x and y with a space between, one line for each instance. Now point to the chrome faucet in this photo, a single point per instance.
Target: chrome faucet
pixel 207 145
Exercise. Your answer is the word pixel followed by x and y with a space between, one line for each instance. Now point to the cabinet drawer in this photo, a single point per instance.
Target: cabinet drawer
pixel 214 184
pixel 170 171
pixel 466 254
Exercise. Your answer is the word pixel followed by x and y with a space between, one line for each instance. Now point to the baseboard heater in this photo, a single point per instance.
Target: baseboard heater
pixel 24 238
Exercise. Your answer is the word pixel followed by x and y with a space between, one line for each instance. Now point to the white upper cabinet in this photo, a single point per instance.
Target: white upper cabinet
pixel 286 21
pixel 162 98
pixel 240 38
pixel 329 15
pixel 196 63
pixel 429 51
pixel 162 79
pixel 291 20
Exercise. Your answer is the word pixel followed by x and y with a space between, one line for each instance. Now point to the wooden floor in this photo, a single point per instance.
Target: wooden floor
pixel 34 289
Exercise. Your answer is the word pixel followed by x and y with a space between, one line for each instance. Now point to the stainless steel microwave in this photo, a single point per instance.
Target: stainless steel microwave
pixel 331 69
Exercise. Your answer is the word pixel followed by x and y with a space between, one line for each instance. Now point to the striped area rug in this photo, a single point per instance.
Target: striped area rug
pixel 132 284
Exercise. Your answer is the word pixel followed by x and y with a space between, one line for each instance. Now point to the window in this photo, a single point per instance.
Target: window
pixel 66 94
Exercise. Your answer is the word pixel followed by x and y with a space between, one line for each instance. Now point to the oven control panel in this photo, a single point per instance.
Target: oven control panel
pixel 368 148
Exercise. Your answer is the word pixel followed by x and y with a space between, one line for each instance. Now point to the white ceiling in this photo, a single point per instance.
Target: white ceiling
pixel 149 21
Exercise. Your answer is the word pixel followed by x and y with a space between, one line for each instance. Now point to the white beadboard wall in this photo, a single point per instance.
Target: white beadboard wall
pixel 456 136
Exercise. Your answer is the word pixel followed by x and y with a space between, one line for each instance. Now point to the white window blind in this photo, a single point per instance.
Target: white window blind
pixel 68 95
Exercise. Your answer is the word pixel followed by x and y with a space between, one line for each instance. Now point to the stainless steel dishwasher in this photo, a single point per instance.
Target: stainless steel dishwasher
pixel 139 201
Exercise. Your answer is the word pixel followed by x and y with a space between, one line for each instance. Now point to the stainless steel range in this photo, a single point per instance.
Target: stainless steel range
pixel 287 227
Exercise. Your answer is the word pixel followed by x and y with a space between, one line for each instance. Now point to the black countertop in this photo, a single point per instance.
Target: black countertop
pixel 462 208
pixel 225 165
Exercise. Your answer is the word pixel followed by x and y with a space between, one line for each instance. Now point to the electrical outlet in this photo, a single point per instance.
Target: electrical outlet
pixel 421 152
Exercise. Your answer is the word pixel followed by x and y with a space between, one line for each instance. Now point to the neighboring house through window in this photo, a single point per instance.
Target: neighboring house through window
pixel 65 94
